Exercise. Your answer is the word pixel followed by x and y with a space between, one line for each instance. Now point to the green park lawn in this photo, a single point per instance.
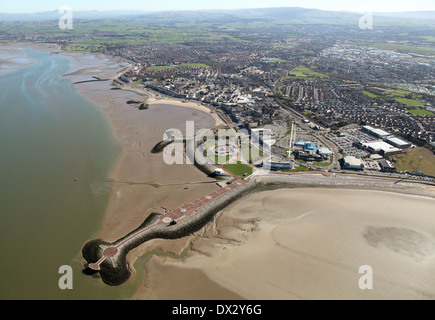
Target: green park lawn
pixel 371 94
pixel 298 169
pixel 407 98
pixel 409 102
pixel 304 72
pixel 421 112
pixel 239 169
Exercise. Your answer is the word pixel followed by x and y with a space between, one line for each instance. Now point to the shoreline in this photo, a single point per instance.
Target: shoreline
pixel 191 105
pixel 135 254
pixel 154 98
pixel 127 208
pixel 21 61
pixel 130 167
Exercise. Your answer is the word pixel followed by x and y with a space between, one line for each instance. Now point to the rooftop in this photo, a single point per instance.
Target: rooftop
pixel 309 146
pixel 324 151
pixel 378 132
pixel 353 161
pixel 380 146
pixel 398 141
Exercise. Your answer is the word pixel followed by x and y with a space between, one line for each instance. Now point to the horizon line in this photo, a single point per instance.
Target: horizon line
pixel 232 9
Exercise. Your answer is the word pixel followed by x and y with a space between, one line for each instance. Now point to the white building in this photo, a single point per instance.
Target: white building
pixel 381 147
pixel 399 143
pixel 376 132
pixel 352 163
pixel 324 151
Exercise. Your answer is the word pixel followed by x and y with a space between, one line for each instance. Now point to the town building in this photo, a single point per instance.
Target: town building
pixel 280 166
pixel 326 152
pixel 387 166
pixel 379 133
pixel 381 147
pixel 307 146
pixel 399 143
pixel 352 163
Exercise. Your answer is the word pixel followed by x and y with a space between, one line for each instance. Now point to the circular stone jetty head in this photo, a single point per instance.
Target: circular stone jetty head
pixel 167 220
pixel 94 266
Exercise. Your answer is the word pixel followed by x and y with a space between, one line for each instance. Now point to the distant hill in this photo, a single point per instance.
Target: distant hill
pixel 277 14
pixel 292 14
pixel 54 15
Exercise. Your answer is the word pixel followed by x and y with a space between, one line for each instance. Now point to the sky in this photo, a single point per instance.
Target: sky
pixel 31 6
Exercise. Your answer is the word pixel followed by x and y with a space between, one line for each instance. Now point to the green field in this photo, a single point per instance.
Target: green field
pixel 371 94
pixel 217 159
pixel 421 112
pixel 298 169
pixel 322 164
pixel 304 72
pixel 401 93
pixel 407 98
pixel 408 161
pixel 409 102
pixel 239 169
pixel 107 33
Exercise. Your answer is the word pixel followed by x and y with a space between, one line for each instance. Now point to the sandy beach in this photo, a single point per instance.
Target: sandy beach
pixel 309 244
pixel 192 105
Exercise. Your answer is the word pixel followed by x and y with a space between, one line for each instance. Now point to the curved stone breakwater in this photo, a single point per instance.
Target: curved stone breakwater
pixel 109 259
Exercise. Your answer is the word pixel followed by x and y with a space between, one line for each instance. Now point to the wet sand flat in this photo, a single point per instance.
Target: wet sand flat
pixel 142 183
pixel 310 244
pixel 13 56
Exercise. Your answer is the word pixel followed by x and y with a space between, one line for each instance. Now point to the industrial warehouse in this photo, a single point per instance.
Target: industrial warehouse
pixel 372 149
